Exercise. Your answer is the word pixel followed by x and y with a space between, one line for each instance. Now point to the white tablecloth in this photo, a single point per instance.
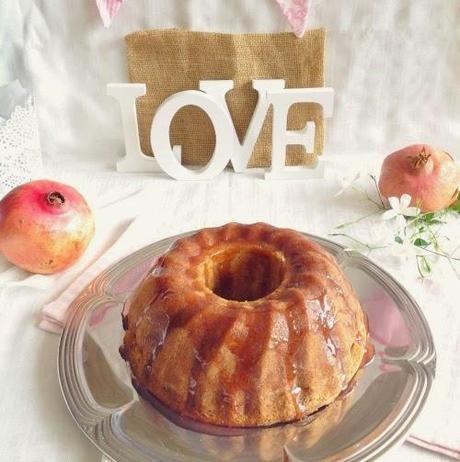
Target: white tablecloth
pixel 35 424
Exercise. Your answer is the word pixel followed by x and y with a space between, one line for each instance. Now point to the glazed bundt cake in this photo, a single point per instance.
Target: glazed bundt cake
pixel 244 325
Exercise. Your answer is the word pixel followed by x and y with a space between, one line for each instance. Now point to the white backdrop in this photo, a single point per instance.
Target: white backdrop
pixel 394 64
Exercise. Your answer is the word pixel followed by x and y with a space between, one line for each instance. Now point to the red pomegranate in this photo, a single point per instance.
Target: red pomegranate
pixel 430 176
pixel 45 226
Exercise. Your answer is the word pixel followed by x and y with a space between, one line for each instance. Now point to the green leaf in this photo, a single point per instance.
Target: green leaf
pixel 398 239
pixel 419 242
pixel 435 221
pixel 428 217
pixel 423 266
pixel 426 266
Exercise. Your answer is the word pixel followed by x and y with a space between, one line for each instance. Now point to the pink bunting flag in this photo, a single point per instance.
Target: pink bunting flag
pixel 296 12
pixel 108 10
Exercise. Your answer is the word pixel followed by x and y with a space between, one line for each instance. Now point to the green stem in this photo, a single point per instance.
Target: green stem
pixel 440 254
pixel 374 180
pixel 419 269
pixel 369 247
pixel 453 267
pixel 343 225
pixel 418 217
pixel 366 195
pixel 434 238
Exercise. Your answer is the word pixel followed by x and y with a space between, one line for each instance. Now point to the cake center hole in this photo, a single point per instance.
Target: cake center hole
pixel 244 274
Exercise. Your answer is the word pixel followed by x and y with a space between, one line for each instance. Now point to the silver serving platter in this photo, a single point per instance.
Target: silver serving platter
pixel 390 393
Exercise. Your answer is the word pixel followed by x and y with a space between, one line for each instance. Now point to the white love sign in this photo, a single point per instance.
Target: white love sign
pixel 211 99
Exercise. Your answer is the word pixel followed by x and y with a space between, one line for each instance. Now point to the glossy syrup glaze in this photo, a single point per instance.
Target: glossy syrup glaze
pixel 245 325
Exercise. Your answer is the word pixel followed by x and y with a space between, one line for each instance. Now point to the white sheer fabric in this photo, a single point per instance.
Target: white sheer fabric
pixel 394 66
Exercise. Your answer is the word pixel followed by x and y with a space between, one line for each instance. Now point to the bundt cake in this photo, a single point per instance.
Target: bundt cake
pixel 267 444
pixel 244 325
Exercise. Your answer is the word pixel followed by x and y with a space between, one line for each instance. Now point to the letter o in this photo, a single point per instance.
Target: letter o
pixel 161 144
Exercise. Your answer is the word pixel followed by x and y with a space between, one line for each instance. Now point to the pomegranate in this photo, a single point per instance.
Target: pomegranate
pixel 45 226
pixel 430 176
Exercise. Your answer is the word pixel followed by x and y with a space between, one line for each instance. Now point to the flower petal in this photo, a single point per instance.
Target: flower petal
pixel 389 214
pixel 405 201
pixel 411 211
pixel 400 222
pixel 339 192
pixel 394 203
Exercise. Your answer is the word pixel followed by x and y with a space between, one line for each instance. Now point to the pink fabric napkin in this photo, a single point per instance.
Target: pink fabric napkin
pixel 430 445
pixel 392 332
pixel 54 313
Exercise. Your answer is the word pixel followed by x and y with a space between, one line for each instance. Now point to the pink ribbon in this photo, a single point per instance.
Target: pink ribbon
pixel 296 12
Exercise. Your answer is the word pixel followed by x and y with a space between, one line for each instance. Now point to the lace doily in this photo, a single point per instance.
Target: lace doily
pixel 20 155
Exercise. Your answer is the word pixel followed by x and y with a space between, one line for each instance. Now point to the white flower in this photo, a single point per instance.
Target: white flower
pixel 400 209
pixel 380 234
pixel 345 181
pixel 404 248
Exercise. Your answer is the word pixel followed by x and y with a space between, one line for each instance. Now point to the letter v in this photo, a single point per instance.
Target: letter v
pixel 217 89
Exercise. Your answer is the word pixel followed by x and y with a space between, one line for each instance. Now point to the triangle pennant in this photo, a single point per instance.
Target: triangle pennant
pixel 108 10
pixel 296 12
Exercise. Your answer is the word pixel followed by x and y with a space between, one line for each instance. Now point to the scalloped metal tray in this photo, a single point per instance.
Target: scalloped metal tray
pixel 390 393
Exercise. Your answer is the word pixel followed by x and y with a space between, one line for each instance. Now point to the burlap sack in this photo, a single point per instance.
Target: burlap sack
pixel 173 60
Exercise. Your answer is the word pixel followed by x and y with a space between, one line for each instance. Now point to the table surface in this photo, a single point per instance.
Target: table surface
pixel 35 423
